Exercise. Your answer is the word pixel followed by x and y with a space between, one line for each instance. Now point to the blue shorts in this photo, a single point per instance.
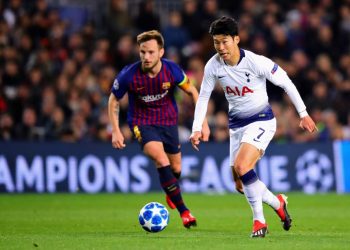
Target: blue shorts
pixel 169 135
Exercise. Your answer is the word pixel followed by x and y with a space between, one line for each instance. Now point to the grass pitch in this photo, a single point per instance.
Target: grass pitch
pixel 110 221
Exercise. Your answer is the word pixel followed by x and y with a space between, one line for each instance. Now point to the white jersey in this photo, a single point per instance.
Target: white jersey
pixel 244 86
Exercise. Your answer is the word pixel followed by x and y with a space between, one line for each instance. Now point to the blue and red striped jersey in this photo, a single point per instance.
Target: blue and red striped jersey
pixel 151 100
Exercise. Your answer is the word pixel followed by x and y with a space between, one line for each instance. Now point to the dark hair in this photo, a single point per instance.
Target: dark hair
pixel 224 26
pixel 150 35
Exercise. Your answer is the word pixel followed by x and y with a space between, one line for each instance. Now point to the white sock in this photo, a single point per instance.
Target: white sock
pixel 253 193
pixel 269 198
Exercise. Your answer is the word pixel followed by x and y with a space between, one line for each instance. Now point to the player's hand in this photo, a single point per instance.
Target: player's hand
pixel 195 139
pixel 118 140
pixel 308 124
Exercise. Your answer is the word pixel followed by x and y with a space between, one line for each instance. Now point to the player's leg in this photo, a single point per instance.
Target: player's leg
pixel 256 190
pixel 169 183
pixel 238 182
pixel 259 134
pixel 235 141
pixel 169 135
pixel 150 139
pixel 246 159
pixel 238 160
pixel 175 163
pixel 253 140
pixel 187 218
pixel 170 138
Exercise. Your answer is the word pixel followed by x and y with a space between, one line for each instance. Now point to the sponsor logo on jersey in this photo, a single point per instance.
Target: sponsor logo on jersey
pixel 274 69
pixel 166 85
pixel 152 98
pixel 236 91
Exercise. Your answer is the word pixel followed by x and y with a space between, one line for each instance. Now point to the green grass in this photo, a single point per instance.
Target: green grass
pixel 110 221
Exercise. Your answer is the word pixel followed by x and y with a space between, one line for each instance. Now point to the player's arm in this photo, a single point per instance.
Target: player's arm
pixel 191 90
pixel 200 112
pixel 279 77
pixel 113 113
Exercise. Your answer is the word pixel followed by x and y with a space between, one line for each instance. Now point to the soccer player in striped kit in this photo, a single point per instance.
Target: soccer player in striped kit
pixel 242 76
pixel 153 116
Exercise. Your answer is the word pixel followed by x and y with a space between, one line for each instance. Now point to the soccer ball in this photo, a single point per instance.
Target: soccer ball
pixel 154 217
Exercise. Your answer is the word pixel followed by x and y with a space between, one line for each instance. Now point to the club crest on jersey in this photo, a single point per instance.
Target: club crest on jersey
pixel 166 85
pixel 247 75
pixel 116 84
pixel 236 91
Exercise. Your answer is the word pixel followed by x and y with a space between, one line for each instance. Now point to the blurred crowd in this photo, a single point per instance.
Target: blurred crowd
pixel 58 61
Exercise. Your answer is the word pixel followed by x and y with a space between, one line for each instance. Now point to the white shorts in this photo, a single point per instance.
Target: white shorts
pixel 258 134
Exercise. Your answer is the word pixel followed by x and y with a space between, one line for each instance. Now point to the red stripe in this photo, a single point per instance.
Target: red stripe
pixel 134 84
pixel 172 112
pixel 176 192
pixel 179 203
pixel 155 92
pixel 160 116
pixel 144 111
pixel 139 109
pixel 149 110
pixel 166 109
pixel 170 182
pixel 164 116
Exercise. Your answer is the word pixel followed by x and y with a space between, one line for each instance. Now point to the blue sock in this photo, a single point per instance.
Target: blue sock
pixel 253 190
pixel 171 187
pixel 177 175
pixel 249 177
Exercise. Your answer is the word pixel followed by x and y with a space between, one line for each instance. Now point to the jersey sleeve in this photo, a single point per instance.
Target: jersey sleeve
pixel 207 87
pixel 275 74
pixel 120 84
pixel 179 75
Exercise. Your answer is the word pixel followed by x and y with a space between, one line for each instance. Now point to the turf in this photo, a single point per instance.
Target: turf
pixel 110 221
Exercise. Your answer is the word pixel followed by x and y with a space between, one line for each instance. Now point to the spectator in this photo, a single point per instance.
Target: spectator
pixel 147 18
pixel 7 132
pixel 175 34
pixel 28 129
pixel 190 17
pixel 39 51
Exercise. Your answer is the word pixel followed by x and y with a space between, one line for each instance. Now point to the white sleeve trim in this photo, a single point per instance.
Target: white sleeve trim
pixel 302 114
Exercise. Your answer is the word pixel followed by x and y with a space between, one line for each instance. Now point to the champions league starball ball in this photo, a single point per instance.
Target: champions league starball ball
pixel 154 217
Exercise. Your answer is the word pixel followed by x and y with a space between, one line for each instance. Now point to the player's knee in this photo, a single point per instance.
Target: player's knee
pixel 240 168
pixel 176 167
pixel 162 162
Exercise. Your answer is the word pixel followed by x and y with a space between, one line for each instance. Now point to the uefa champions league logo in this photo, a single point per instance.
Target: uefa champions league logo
pixel 116 84
pixel 314 172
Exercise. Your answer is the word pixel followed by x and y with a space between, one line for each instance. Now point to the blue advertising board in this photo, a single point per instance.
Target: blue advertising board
pixel 97 167
pixel 342 165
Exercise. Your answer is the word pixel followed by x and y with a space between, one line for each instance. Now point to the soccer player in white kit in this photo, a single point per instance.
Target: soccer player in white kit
pixel 242 75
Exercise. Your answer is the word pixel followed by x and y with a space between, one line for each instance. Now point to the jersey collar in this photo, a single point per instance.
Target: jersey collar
pixel 241 55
